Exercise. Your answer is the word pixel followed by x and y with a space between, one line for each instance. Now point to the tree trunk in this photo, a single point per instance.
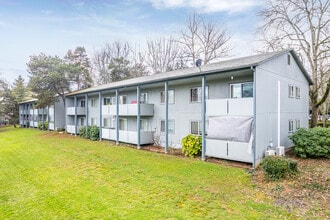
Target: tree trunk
pixel 314 117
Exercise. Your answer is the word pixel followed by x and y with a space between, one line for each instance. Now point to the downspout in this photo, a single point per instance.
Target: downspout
pixel 100 103
pixel 203 117
pixel 166 117
pixel 138 117
pixel 278 113
pixel 54 120
pixel 43 119
pixel 75 116
pixel 254 118
pixel 117 117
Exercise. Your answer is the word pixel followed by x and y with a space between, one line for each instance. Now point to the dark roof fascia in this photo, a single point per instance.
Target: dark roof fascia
pixel 173 78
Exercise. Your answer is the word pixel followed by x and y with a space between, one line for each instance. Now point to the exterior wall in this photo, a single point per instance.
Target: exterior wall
pixel 267 77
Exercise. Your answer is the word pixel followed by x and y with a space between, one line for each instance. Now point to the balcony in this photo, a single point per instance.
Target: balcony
pixel 71 129
pixel 51 126
pixel 129 110
pixel 223 107
pixel 71 110
pixel 146 137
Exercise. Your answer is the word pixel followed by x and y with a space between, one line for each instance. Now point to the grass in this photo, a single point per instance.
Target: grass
pixel 46 175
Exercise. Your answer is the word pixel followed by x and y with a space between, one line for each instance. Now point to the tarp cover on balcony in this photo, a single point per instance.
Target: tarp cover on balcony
pixel 230 128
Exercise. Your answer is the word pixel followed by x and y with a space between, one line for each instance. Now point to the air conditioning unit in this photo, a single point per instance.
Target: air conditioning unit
pixel 280 151
pixel 270 153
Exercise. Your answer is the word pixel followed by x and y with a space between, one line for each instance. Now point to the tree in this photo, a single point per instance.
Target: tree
pixel 119 69
pixel 19 90
pixel 203 39
pixel 110 56
pixel 164 54
pixel 305 26
pixel 79 68
pixel 48 79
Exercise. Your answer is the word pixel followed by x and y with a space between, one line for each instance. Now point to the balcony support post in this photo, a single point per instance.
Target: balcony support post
pixel 43 119
pixel 203 116
pixel 48 116
pixel 117 117
pixel 100 123
pixel 138 119
pixel 86 110
pixel 75 116
pixel 166 117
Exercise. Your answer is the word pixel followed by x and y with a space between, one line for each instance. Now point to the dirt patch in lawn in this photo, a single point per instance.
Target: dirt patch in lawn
pixel 306 194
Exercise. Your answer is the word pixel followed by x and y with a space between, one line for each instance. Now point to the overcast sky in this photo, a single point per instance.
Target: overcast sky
pixel 29 27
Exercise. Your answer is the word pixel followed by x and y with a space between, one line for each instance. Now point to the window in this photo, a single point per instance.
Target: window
pixel 170 96
pixel 122 100
pixel 144 124
pixel 297 92
pixel 291 91
pixel 241 90
pixel 123 124
pixel 196 94
pixel 289 59
pixel 297 124
pixel 93 102
pixel 82 103
pixel 170 126
pixel 290 125
pixel 93 121
pixel 82 122
pixel 106 101
pixel 144 98
pixel 196 127
pixel 106 122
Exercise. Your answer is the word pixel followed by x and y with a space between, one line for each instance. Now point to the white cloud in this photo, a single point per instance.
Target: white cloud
pixel 207 6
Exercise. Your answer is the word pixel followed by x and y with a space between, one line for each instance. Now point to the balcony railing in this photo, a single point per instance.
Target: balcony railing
pixel 236 106
pixel 71 129
pixel 129 110
pixel 71 110
pixel 146 137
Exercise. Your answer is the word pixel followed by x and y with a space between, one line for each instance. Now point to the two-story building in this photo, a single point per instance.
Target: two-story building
pixel 239 106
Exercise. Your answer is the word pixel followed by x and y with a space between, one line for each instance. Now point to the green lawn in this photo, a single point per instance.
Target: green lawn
pixel 45 175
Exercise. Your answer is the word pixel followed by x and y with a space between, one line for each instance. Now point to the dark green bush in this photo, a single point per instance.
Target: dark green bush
pixel 91 132
pixel 312 143
pixel 45 125
pixel 84 132
pixel 94 133
pixel 191 145
pixel 276 168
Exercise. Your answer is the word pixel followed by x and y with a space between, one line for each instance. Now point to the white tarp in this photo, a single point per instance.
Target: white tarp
pixel 231 128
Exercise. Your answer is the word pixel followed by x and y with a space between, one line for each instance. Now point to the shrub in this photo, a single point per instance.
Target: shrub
pixel 84 132
pixel 276 167
pixel 191 145
pixel 45 125
pixel 312 143
pixel 94 133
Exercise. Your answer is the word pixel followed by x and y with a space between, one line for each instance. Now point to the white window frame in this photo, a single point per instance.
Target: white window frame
pixel 82 103
pixel 297 92
pixel 93 121
pixel 291 126
pixel 144 124
pixel 171 96
pixel 171 126
pixel 291 91
pixel 199 94
pixel 240 85
pixel 106 100
pixel 144 97
pixel 199 128
pixel 124 121
pixel 298 124
pixel 106 123
pixel 93 102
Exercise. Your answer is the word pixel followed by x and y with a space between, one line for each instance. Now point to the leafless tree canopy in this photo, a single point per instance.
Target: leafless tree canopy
pixel 305 26
pixel 204 40
pixel 163 55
